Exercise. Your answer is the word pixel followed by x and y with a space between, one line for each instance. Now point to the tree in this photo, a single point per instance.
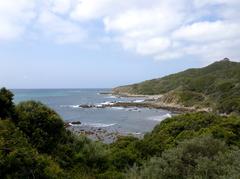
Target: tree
pixel 43 126
pixel 6 104
pixel 19 160
pixel 203 157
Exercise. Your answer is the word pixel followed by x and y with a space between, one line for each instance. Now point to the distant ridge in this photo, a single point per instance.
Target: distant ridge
pixel 216 86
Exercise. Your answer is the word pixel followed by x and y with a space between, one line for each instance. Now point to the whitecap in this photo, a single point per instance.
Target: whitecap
pixel 139 101
pixel 74 125
pixel 100 125
pixel 69 106
pixel 117 108
pixel 99 105
pixel 74 106
pixel 134 109
pixel 107 103
pixel 160 118
pixel 112 97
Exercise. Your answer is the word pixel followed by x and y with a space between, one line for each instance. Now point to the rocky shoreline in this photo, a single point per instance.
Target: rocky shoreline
pixel 156 102
pixel 151 104
pixel 104 134
pixel 147 103
pixel 111 134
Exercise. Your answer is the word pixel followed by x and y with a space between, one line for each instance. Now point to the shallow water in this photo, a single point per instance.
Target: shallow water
pixel 66 101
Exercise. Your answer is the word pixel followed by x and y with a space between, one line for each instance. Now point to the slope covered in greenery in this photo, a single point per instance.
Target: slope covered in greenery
pixel 35 144
pixel 216 86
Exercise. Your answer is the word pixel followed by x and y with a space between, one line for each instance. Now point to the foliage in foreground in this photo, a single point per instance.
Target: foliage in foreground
pixel 19 160
pixel 204 157
pixel 35 144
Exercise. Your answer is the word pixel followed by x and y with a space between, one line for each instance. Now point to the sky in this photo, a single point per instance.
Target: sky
pixel 107 43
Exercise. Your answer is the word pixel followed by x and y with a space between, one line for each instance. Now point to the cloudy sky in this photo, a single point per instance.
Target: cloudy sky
pixel 106 43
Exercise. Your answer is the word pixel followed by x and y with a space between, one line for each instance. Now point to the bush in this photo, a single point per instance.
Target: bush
pixel 6 104
pixel 187 126
pixel 44 128
pixel 229 105
pixel 196 158
pixel 124 153
pixel 19 160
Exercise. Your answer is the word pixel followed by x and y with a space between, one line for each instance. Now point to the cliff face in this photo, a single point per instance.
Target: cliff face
pixel 216 86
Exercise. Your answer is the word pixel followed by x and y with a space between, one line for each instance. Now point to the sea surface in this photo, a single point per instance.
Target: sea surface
pixel 65 102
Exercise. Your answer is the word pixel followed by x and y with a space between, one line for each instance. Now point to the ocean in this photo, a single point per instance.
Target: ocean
pixel 65 102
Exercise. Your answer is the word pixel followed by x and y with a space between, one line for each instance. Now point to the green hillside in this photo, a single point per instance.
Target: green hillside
pixel 216 86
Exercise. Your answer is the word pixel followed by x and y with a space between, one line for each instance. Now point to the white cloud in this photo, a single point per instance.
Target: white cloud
pixel 208 31
pixel 14 16
pixel 190 29
pixel 62 31
pixel 145 30
pixel 149 46
pixel 153 46
pixel 166 29
pixel 86 10
pixel 60 6
pixel 204 3
pixel 155 20
pixel 90 9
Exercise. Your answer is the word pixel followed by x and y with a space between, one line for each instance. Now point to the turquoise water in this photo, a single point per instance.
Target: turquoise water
pixel 66 101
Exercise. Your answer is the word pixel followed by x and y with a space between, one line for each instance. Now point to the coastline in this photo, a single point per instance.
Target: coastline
pixel 155 102
pixel 111 134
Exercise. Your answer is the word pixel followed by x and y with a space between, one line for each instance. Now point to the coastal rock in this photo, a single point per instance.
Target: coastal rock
pixel 86 106
pixel 76 123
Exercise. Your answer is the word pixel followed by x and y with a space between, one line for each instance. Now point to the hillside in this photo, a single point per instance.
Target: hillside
pixel 216 86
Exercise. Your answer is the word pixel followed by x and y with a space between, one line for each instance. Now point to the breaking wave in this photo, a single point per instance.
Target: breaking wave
pixel 100 125
pixel 160 118
pixel 69 106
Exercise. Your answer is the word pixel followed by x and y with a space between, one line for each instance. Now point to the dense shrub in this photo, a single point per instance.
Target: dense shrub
pixel 124 153
pixel 173 130
pixel 229 105
pixel 35 144
pixel 43 126
pixel 196 158
pixel 19 160
pixel 6 104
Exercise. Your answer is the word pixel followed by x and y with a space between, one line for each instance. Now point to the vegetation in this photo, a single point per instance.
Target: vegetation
pixel 18 159
pixel 216 86
pixel 35 144
pixel 196 158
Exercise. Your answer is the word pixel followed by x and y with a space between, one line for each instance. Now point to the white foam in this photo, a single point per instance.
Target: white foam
pixel 117 108
pixel 74 106
pixel 160 118
pixel 139 101
pixel 69 106
pixel 99 105
pixel 134 109
pixel 75 125
pixel 133 133
pixel 112 97
pixel 98 125
pixel 107 103
pixel 121 101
